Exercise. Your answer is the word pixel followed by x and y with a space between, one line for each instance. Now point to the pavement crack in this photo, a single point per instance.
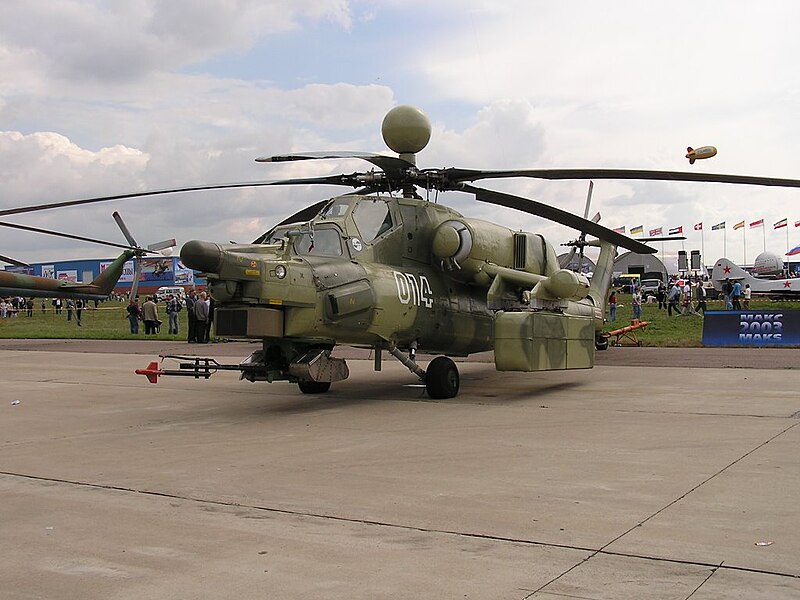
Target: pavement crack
pixel 702 483
pixel 702 583
pixel 400 526
pixel 603 549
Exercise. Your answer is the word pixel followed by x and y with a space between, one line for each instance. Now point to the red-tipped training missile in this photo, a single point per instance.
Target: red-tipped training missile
pixel 151 372
pixel 703 152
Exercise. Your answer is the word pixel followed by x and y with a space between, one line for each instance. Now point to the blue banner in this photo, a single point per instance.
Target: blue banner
pixel 751 328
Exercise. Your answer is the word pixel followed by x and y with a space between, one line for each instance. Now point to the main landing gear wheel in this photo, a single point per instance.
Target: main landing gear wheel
pixel 314 387
pixel 601 342
pixel 441 378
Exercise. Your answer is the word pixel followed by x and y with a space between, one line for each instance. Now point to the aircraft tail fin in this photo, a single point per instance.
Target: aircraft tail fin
pixel 601 279
pixel 106 281
pixel 726 269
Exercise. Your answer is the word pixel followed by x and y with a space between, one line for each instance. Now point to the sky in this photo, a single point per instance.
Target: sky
pixel 100 97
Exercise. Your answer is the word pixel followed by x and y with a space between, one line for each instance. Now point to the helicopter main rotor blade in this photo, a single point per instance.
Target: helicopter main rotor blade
pixel 12 261
pixel 345 180
pixel 559 216
pixel 455 175
pixel 393 166
pixel 66 235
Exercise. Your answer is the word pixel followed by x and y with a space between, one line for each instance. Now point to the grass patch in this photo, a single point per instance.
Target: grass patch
pixel 108 322
pixel 677 331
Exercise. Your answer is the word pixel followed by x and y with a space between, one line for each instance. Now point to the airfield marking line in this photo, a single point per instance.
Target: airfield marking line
pixel 357 521
pixel 602 549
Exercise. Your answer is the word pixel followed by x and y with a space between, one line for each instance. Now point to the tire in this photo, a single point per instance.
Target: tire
pixel 314 387
pixel 442 379
pixel 601 342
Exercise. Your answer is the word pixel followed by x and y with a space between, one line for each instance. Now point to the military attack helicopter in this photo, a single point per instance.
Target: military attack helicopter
pixel 385 268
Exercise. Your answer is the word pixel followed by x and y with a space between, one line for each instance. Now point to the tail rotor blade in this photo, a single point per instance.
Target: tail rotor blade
pixel 162 245
pixel 588 200
pixel 124 229
pixel 137 273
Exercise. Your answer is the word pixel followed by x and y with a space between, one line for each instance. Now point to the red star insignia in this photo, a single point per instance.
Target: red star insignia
pixel 727 269
pixel 787 284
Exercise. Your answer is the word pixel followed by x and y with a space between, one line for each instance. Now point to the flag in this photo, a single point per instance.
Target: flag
pixel 676 230
pixel 718 226
pixel 779 224
pixel 759 223
pixel 793 251
pixel 637 229
pixel 656 231
pixel 797 223
pixel 619 229
pixel 698 226
pixel 739 225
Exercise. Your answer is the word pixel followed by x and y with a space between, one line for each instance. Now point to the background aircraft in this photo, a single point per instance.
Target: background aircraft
pixel 725 269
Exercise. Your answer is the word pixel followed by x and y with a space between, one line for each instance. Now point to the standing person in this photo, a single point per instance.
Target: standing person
pixel 44 307
pixel 636 303
pixel 191 300
pixel 210 318
pixel 737 294
pixel 150 312
pixel 174 306
pixel 201 315
pixel 70 308
pixel 612 306
pixel 78 310
pixel 701 297
pixel 727 294
pixel 748 293
pixel 672 300
pixel 661 296
pixel 134 315
pixel 58 304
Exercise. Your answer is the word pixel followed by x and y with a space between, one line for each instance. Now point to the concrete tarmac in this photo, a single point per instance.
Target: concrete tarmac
pixel 625 481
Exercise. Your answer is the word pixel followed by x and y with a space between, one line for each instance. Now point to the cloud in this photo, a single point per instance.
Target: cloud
pixel 87 41
pixel 100 98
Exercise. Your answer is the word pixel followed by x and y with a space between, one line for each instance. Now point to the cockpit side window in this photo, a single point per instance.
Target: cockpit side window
pixel 337 208
pixel 322 242
pixel 373 219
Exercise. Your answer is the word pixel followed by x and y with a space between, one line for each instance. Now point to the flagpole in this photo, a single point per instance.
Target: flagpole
pixel 744 242
pixel 725 241
pixel 764 236
pixel 702 247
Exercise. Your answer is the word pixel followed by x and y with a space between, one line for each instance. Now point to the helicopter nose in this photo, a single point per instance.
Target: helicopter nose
pixel 202 256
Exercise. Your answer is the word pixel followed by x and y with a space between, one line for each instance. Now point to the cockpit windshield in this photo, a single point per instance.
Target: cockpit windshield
pixel 373 218
pixel 320 242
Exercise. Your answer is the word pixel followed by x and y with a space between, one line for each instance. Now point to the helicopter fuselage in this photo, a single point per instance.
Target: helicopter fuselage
pixel 378 271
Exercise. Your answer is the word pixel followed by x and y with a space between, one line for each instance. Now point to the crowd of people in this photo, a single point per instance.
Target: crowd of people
pixel 199 310
pixel 17 305
pixel 685 296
